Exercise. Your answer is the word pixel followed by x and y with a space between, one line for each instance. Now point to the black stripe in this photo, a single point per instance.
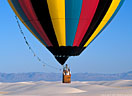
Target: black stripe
pixel 101 10
pixel 42 12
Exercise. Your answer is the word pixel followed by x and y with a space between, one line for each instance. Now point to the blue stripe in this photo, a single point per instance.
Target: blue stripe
pixel 24 17
pixel 116 11
pixel 73 10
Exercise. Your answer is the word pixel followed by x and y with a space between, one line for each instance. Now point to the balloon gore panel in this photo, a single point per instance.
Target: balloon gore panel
pixel 73 10
pixel 45 20
pixel 19 12
pixel 32 18
pixel 86 16
pixel 101 10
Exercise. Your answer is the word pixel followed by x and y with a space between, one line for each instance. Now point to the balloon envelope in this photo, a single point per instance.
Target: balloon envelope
pixel 65 27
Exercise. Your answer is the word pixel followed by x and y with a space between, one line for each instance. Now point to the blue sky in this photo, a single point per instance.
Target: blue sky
pixel 111 52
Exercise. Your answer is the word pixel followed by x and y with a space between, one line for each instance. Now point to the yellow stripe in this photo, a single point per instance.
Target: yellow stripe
pixel 106 18
pixel 57 13
pixel 22 19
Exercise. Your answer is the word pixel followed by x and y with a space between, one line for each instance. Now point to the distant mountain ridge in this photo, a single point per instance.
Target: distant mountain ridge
pixel 40 76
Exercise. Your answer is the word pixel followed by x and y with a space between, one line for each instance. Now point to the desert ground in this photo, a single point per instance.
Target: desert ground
pixel 76 88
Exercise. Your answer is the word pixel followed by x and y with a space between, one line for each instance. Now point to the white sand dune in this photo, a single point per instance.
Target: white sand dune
pixel 76 88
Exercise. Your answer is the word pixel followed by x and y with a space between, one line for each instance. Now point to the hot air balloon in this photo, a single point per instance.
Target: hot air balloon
pixel 65 27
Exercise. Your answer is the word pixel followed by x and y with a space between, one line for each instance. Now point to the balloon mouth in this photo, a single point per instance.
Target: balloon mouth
pixel 62 53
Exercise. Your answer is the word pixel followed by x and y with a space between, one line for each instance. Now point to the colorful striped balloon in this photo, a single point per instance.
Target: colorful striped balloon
pixel 65 27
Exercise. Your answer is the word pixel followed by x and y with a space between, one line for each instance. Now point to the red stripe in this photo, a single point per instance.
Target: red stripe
pixel 29 12
pixel 87 13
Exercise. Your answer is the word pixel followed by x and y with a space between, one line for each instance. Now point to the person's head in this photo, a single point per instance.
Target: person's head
pixel 66 65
